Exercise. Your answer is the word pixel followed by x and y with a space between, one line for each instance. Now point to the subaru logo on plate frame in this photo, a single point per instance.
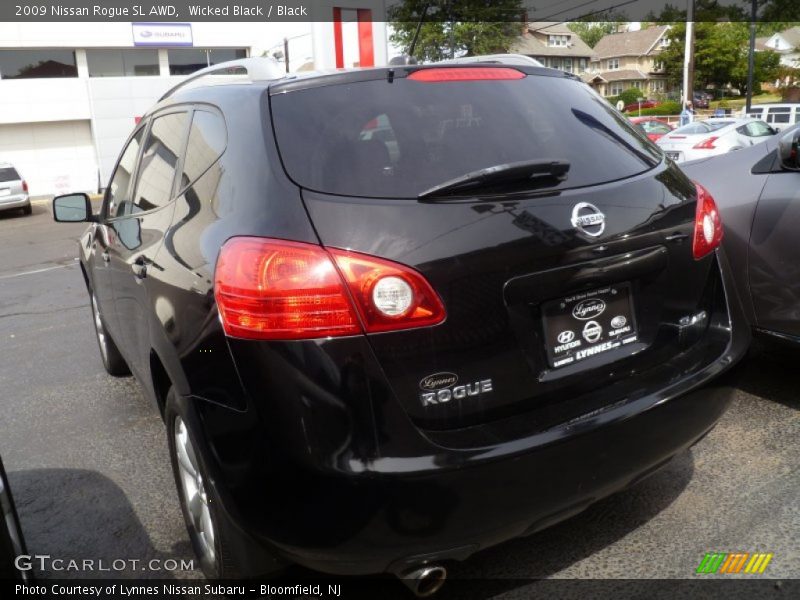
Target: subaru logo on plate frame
pixel 588 219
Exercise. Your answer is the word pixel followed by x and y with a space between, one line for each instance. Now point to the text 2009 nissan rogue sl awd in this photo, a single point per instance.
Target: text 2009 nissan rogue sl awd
pixel 397 315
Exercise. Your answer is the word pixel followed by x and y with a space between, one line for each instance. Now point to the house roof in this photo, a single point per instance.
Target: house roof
pixel 761 43
pixel 629 43
pixel 622 75
pixel 792 35
pixel 529 45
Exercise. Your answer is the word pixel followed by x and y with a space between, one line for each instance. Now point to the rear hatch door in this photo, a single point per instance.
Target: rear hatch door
pixel 552 286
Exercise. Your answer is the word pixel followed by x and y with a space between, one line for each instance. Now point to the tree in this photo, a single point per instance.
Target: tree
pixel 593 32
pixel 463 28
pixel 720 56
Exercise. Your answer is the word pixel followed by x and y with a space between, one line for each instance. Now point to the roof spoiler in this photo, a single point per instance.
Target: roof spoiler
pixel 254 69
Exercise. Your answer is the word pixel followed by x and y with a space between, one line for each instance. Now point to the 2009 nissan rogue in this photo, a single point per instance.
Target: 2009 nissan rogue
pixel 393 316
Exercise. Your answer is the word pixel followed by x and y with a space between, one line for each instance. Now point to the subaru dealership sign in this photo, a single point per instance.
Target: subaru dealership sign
pixel 162 34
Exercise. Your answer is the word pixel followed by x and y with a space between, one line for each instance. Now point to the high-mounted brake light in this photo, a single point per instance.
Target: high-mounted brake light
pixel 277 290
pixel 707 224
pixel 444 74
pixel 707 144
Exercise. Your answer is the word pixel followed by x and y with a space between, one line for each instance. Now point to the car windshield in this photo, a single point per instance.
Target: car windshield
pixel 8 174
pixel 702 127
pixel 396 139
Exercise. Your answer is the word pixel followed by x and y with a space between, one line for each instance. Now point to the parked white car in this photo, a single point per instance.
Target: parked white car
pixel 702 139
pixel 779 116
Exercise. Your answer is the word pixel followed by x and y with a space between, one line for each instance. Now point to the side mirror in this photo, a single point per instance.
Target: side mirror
pixel 72 208
pixel 789 150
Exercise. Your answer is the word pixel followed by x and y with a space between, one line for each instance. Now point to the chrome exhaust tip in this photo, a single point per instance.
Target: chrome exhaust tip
pixel 424 581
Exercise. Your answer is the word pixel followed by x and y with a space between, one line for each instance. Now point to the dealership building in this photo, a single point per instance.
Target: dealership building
pixel 70 93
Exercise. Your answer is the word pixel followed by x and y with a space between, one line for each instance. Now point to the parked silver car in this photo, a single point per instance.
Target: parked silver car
pixel 13 189
pixel 702 139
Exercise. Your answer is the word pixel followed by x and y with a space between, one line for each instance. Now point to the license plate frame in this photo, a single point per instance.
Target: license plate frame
pixel 588 324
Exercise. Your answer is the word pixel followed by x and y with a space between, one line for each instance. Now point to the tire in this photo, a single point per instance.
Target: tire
pixel 27 209
pixel 109 353
pixel 221 548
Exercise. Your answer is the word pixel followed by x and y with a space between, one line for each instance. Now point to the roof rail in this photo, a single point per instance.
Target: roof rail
pixel 255 68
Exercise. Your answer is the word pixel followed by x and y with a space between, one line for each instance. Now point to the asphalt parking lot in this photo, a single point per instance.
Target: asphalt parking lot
pixel 88 465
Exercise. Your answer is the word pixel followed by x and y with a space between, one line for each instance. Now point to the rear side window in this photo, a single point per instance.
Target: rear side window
pixel 160 161
pixel 9 174
pixel 779 114
pixel 396 140
pixel 207 140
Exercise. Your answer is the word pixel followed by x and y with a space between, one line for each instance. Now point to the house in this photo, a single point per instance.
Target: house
pixel 786 43
pixel 629 60
pixel 555 46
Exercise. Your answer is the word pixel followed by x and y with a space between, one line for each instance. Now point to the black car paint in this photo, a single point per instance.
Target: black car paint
pixel 12 542
pixel 320 448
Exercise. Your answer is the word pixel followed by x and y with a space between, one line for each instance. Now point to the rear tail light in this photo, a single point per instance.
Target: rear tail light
pixel 277 290
pixel 387 295
pixel 706 144
pixel 24 186
pixel 441 75
pixel 707 224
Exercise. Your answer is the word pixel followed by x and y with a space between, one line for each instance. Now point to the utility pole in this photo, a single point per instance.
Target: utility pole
pixel 286 53
pixel 688 55
pixel 751 58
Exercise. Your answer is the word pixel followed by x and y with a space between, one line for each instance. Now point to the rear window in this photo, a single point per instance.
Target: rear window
pixel 396 140
pixel 9 174
pixel 702 127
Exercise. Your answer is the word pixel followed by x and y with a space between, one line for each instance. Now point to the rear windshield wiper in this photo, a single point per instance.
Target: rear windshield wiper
pixel 538 172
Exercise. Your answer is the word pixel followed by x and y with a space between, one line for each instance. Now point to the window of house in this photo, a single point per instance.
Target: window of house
pixel 122 63
pixel 616 89
pixel 558 40
pixel 35 64
pixel 582 64
pixel 159 162
pixel 568 64
pixel 184 61
pixel 613 64
pixel 658 65
pixel 664 41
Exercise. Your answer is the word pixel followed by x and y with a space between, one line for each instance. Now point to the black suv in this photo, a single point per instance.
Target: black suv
pixel 394 316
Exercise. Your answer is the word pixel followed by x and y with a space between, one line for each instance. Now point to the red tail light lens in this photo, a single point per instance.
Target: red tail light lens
pixel 277 290
pixel 24 186
pixel 272 289
pixel 388 296
pixel 442 75
pixel 707 224
pixel 706 144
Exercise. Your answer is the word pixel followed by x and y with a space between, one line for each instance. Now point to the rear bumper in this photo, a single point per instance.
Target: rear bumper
pixel 418 517
pixel 349 487
pixel 15 201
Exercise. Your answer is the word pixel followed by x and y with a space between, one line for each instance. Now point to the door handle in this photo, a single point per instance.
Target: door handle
pixel 139 267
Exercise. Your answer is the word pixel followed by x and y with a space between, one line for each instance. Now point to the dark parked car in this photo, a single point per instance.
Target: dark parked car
pixel 12 542
pixel 700 100
pixel 757 192
pixel 377 353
